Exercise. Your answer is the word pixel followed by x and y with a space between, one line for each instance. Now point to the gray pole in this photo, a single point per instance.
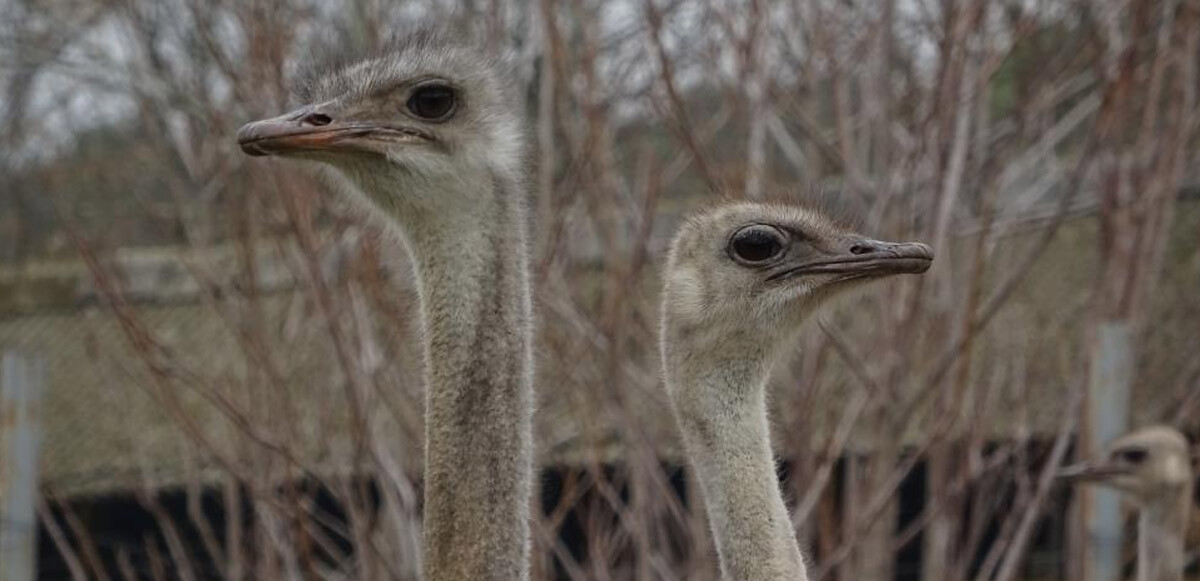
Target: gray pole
pixel 20 391
pixel 1109 385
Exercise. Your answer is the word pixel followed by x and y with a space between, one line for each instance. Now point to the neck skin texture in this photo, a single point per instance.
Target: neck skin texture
pixel 1161 531
pixel 470 255
pixel 720 404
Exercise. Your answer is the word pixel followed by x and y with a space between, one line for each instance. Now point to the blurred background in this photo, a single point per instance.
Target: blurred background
pixel 212 369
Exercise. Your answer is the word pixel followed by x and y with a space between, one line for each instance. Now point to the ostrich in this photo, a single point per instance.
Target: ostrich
pixel 739 280
pixel 1152 467
pixel 428 137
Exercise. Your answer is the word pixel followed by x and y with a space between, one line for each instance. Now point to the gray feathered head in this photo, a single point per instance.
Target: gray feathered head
pixel 429 102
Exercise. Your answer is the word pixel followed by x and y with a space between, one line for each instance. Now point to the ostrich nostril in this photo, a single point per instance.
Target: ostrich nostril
pixel 861 249
pixel 317 119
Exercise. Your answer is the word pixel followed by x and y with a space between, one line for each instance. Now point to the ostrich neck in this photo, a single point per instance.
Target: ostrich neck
pixel 1161 532
pixel 721 407
pixel 472 269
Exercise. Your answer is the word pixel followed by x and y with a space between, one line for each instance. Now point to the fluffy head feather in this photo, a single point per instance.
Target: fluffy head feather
pixel 363 116
pixel 809 257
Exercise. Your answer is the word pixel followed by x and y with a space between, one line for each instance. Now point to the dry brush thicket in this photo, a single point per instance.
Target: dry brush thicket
pixel 1040 147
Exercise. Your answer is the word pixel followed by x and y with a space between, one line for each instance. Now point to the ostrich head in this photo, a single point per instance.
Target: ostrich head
pixel 1148 465
pixel 422 130
pixel 757 270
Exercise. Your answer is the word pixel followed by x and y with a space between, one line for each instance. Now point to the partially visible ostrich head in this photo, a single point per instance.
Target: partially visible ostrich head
pixel 1150 465
pixel 429 110
pixel 760 269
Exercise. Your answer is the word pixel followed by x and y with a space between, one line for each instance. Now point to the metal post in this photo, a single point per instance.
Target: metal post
pixel 1109 386
pixel 21 386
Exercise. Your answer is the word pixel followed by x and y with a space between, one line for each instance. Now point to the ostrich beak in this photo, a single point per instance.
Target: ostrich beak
pixel 301 130
pixel 318 129
pixel 1089 472
pixel 859 257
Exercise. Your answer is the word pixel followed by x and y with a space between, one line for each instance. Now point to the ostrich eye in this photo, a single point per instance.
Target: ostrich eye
pixel 756 244
pixel 433 103
pixel 1132 455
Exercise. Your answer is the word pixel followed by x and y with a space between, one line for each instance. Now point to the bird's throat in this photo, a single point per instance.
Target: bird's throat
pixel 475 297
pixel 1161 534
pixel 721 409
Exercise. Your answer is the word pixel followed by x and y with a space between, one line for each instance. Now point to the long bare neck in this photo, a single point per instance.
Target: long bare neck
pixel 1161 532
pixel 721 409
pixel 474 285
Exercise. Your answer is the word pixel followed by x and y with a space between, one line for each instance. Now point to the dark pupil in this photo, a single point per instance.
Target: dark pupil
pixel 431 102
pixel 1133 456
pixel 756 246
